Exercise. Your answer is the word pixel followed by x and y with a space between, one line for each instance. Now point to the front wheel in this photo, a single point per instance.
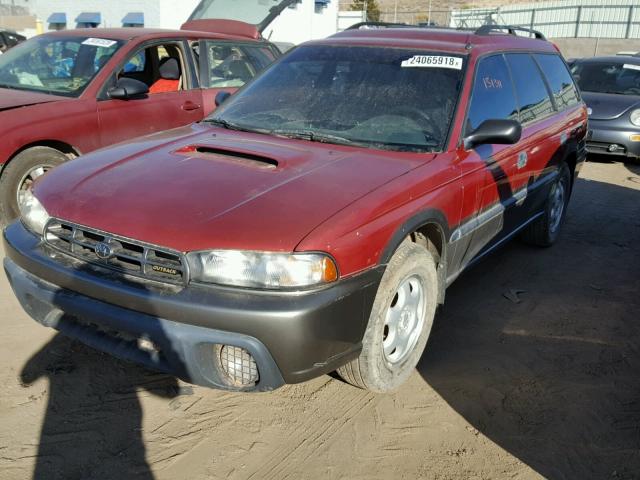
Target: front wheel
pixel 545 230
pixel 399 324
pixel 19 175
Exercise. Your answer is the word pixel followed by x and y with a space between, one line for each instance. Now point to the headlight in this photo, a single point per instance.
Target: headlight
pixel 262 270
pixel 33 214
pixel 635 117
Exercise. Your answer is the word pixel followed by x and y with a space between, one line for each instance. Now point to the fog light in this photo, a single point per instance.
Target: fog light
pixel 238 365
pixel 613 148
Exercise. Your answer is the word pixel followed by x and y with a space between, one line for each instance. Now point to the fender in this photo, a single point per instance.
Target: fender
pixel 413 223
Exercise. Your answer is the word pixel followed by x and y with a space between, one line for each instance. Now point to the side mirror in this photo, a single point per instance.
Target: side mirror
pixel 127 88
pixel 494 131
pixel 221 97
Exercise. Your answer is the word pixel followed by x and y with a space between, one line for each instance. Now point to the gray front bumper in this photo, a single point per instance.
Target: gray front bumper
pixel 603 133
pixel 292 336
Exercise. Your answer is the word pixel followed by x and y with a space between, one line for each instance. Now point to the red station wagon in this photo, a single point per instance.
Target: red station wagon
pixel 70 92
pixel 315 220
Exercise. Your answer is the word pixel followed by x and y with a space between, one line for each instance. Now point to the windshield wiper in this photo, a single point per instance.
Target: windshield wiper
pixel 338 140
pixel 234 126
pixel 318 137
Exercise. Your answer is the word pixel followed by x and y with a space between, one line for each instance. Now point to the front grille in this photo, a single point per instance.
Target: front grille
pixel 117 253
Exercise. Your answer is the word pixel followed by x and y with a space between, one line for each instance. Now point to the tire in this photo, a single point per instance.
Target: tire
pixel 545 230
pixel 20 172
pixel 380 368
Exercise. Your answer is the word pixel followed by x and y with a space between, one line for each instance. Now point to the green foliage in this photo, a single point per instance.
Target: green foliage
pixel 373 10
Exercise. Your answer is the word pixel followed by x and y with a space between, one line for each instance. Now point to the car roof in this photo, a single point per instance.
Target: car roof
pixel 611 59
pixel 130 33
pixel 445 39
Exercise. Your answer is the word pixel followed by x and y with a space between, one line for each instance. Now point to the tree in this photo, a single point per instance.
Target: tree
pixel 371 6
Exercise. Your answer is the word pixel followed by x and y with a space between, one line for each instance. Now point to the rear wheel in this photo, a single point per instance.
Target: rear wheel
pixel 19 175
pixel 545 230
pixel 399 324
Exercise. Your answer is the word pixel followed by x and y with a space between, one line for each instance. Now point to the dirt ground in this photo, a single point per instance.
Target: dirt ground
pixel 544 383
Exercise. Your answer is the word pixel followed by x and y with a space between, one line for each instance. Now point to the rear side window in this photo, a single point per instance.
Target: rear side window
pixel 233 65
pixel 559 79
pixel 492 96
pixel 533 98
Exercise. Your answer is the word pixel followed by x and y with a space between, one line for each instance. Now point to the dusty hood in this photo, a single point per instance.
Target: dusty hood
pixel 607 106
pixel 10 98
pixel 202 187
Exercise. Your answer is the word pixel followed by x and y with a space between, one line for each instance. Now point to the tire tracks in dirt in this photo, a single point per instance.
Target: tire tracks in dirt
pixel 324 423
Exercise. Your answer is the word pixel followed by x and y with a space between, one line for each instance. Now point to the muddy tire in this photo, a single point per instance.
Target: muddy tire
pixel 545 230
pixel 399 324
pixel 20 172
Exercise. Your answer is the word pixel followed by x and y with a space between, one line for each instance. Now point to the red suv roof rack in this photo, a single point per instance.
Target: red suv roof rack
pixel 482 30
pixel 488 29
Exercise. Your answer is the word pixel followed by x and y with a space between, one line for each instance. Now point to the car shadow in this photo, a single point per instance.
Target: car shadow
pixel 538 348
pixel 93 414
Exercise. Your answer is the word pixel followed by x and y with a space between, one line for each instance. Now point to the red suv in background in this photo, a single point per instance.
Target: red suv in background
pixel 314 222
pixel 67 93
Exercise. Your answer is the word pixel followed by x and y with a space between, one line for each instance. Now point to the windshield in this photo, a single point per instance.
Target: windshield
pixel 387 98
pixel 605 77
pixel 56 65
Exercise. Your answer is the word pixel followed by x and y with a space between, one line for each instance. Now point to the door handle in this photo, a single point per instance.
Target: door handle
pixel 189 105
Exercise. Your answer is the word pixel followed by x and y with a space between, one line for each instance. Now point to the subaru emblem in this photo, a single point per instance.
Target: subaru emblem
pixel 103 250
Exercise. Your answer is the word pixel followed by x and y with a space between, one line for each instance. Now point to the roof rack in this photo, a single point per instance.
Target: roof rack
pixel 358 26
pixel 487 29
pixel 482 30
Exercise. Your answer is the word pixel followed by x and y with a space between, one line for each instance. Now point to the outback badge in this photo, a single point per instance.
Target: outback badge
pixel 161 269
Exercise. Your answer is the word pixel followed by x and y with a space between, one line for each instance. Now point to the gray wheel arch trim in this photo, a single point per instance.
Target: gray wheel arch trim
pixel 415 222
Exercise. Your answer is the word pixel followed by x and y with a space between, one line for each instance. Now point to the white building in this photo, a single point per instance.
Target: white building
pixel 306 20
pixel 302 21
pixel 65 14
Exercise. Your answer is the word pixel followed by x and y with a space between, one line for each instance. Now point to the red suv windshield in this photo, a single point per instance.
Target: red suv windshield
pixel 387 98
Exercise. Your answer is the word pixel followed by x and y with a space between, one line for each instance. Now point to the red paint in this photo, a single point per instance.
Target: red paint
pixel 85 124
pixel 347 201
pixel 228 27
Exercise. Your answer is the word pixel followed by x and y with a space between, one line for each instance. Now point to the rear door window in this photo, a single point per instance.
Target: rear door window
pixel 232 65
pixel 534 101
pixel 492 97
pixel 559 79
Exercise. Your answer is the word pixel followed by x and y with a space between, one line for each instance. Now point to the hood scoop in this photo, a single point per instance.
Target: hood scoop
pixel 208 152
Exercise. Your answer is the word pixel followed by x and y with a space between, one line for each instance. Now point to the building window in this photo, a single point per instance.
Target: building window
pixel 133 19
pixel 57 21
pixel 320 5
pixel 88 20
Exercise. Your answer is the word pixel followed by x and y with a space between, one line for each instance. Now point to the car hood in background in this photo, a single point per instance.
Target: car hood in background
pixel 10 98
pixel 201 187
pixel 607 106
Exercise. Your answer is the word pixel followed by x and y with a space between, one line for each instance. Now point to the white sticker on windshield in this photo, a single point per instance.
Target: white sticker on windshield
pixel 433 61
pixel 631 66
pixel 99 42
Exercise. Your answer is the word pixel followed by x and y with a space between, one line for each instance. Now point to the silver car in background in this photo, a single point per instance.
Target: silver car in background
pixel 611 89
